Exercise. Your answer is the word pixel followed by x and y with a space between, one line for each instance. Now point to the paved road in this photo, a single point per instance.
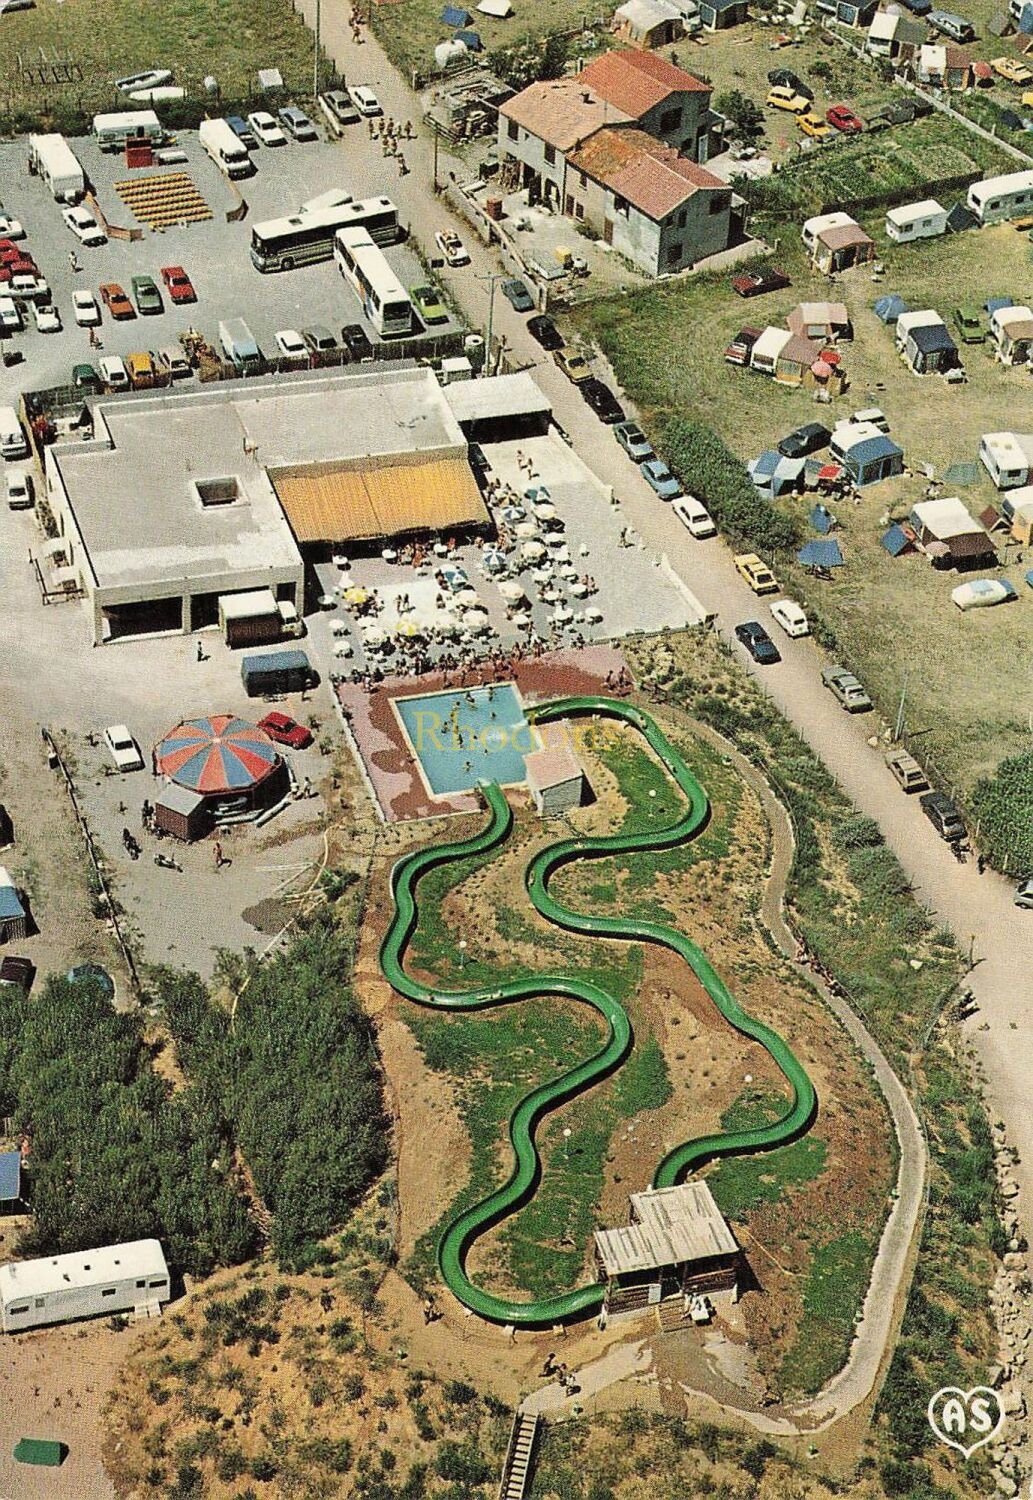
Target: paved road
pixel 978 908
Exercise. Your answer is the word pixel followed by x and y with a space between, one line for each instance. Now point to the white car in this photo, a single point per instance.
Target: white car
pixel 788 614
pixel 84 226
pixel 172 359
pixel 114 373
pixel 452 248
pixel 85 309
pixel 291 344
pixel 365 100
pixel 47 317
pixel 125 752
pixel 10 229
pixel 694 516
pixel 19 489
pixel 266 129
pixel 10 317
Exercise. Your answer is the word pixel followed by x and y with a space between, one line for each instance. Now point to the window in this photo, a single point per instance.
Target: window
pixel 141 1283
pixel 217 491
pixel 512 130
pixel 620 205
pixel 16 1312
pixel 163 1281
pixel 550 156
pixel 579 210
pixel 109 1291
pixel 41 1301
pixel 670 120
pixel 719 203
pixel 674 254
pixel 682 217
pixel 584 179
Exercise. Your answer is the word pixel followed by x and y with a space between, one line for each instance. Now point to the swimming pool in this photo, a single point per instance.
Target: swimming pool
pixel 461 737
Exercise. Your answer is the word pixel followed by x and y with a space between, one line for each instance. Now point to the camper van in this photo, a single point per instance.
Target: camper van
pixel 225 148
pixel 131 127
pixel 55 163
pixel 12 434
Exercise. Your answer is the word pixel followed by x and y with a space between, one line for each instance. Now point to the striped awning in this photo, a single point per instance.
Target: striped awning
pixel 364 505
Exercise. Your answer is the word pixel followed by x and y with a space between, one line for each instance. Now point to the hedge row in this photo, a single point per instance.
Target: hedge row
pixel 708 470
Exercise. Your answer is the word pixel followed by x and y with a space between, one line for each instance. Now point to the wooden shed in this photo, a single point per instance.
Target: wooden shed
pixel 676 1244
pixel 183 812
pixel 14 919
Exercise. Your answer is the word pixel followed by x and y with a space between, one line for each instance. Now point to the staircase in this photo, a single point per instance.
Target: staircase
pixel 516 1471
pixel 673 1314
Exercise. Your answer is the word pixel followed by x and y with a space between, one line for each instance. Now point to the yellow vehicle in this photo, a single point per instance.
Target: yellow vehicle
pixel 813 125
pixel 141 370
pixel 756 573
pixel 1013 69
pixel 783 97
pixel 575 366
pixel 1027 99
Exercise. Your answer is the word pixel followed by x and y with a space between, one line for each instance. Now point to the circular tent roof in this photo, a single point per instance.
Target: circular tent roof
pixel 218 754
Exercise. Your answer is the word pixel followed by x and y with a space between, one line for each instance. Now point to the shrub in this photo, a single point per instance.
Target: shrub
pixel 857 832
pixel 706 467
pixel 1003 805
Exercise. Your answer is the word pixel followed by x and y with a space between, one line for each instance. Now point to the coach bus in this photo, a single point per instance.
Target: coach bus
pixel 308 235
pixel 384 300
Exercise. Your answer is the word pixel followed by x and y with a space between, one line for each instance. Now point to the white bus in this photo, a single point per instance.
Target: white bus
pixel 384 299
pixel 308 235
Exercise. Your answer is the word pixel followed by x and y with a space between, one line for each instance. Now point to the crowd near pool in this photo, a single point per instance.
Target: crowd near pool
pixel 463 737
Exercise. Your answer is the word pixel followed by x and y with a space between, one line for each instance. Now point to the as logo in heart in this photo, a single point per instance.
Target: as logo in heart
pixel 965 1419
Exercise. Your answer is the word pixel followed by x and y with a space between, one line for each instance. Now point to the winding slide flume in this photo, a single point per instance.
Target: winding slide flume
pixel 476 1220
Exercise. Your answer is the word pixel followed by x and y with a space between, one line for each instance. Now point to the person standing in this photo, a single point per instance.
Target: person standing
pixel 217 851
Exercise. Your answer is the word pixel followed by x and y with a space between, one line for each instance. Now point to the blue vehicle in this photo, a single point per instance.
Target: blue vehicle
pixel 242 130
pixel 659 477
pixel 758 643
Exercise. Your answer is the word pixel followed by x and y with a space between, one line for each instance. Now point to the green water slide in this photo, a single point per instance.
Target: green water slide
pixel 523 1179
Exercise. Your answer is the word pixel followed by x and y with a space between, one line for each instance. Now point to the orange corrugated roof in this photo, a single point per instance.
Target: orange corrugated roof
pixel 651 176
pixel 340 505
pixel 636 81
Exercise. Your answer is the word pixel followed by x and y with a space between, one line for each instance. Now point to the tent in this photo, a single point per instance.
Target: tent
pixel 471 40
pixel 455 16
pixel 896 541
pixel 220 753
pixel 821 555
pixel 960 218
pixel 500 9
pixel 889 308
pixel 994 304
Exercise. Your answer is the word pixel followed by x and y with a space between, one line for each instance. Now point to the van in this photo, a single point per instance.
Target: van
pixel 225 148
pixel 13 443
pixel 956 27
pixel 277 672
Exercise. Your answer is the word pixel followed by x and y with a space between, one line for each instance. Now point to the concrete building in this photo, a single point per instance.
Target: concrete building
pixel 62 1288
pixel 665 101
pixel 545 121
pixel 676 1244
pixel 836 242
pixel 250 475
pixel 555 777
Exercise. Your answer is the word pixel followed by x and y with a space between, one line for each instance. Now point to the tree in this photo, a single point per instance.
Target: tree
pixel 741 110
pixel 1003 806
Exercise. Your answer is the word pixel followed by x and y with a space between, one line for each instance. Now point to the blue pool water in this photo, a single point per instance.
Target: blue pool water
pixel 462 738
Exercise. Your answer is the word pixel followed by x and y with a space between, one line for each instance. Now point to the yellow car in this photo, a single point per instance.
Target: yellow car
pixel 783 97
pixel 141 370
pixel 1012 69
pixel 756 573
pixel 813 125
pixel 575 366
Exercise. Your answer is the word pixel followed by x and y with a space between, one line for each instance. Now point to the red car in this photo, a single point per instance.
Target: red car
pixel 180 287
pixel 115 300
pixel 18 267
pixel 844 119
pixel 286 731
pixel 756 283
pixel 10 251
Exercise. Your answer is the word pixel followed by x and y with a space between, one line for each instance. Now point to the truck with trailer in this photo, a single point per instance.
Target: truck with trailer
pixel 226 149
pixel 240 346
pixel 128 127
pixel 52 159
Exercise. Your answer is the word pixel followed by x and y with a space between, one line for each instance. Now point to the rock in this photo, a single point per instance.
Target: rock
pixel 1006 1485
pixel 1013 1403
pixel 1009 1188
pixel 994 1376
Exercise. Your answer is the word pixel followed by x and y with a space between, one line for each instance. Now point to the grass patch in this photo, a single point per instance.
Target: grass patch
pixel 835 1288
pixel 741 1184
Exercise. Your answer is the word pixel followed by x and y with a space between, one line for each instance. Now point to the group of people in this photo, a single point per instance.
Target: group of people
pixel 565 1377
pixel 389 135
pixel 618 682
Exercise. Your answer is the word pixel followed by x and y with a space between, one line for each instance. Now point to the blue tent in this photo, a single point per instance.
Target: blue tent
pixel 1029 578
pixel 994 304
pixel 471 40
pixel 10 1176
pixel 761 469
pixel 822 519
pixel 895 541
pixel 889 308
pixel 821 555
pixel 1026 20
pixel 454 15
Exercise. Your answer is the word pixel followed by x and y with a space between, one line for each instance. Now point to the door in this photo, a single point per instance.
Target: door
pixel 608 231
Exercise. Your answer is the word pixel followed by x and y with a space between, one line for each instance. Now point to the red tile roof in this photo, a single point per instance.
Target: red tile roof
pixel 561 111
pixel 636 81
pixel 651 176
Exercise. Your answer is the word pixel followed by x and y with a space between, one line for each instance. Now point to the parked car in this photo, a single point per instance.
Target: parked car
pixel 756 573
pixel 365 100
pixel 10 229
pixel 17 971
pixel 544 331
pixel 1011 68
pixel 809 438
pixel 757 283
pixel 517 295
pixel 173 362
pixel 874 415
pixel 84 226
pixel 141 369
pixel 297 123
pixel 178 284
pixel 783 96
pixel 242 130
pixel 340 105
pixel 846 689
pixel 318 340
pixel 10 317
pixel 290 344
pixel 813 125
pixel 788 614
pixel 452 248
pixel 427 302
pixel 633 440
pixel 286 731
pixel 85 309
pixel 116 301
pixel 575 366
pixel 46 317
pixel 19 488
pixel 695 517
pixel 356 341
pixel 918 7
pixel 906 770
pixel 86 379
pixel 842 118
pixel 968 320
pixel 266 129
pixel 602 400
pixel 982 592
pixel 1023 897
pixel 114 373
pixel 754 637
pixel 1010 119
pixel 125 752
pixel 943 815
pixel 738 351
pixel 146 295
pixel 659 478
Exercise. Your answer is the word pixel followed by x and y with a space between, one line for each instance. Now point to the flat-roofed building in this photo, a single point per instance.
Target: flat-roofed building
pixel 676 1243
pixel 555 776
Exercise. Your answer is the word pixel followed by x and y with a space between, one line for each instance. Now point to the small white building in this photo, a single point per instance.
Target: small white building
pixel 86 1284
pixel 1004 197
pixel 555 777
pixel 916 221
pixel 1011 329
pixel 1007 458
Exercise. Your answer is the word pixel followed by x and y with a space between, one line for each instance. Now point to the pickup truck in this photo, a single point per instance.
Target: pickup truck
pixel 844 687
pixel 907 771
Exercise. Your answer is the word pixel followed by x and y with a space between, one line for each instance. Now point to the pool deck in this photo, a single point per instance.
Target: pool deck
pixel 381 740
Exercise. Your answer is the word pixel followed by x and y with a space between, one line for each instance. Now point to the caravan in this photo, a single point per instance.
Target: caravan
pixel 132 127
pixel 225 148
pixel 52 159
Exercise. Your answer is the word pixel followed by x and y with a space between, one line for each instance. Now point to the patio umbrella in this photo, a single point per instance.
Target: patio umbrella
pixel 356 596
pixel 408 628
pixel 526 530
pixel 468 599
pixel 512 591
pixel 593 614
pixel 477 620
pixel 511 514
pixel 493 558
pixel 375 636
pixel 545 512
pixel 562 616
pixel 532 551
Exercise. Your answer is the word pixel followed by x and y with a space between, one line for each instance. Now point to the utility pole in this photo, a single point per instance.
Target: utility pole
pixel 491 278
pixel 898 728
pixel 437 184
pixel 315 58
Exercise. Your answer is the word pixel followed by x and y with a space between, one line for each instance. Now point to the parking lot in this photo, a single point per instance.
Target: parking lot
pixel 214 253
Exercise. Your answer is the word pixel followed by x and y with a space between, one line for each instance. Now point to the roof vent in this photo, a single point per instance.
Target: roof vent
pixel 220 491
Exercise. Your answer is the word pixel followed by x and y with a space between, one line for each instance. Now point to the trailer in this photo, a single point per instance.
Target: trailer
pixel 52 159
pixel 276 673
pixel 85 1284
pixel 1006 197
pixel 226 149
pixel 130 127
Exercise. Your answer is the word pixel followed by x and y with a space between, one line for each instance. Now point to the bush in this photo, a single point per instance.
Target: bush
pixel 1003 806
pixel 857 832
pixel 706 468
